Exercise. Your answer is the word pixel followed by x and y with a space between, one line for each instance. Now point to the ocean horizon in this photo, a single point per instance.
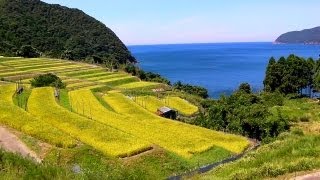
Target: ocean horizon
pixel 219 67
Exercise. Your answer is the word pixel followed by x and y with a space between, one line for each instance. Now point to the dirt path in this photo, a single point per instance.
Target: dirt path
pixel 12 143
pixel 312 176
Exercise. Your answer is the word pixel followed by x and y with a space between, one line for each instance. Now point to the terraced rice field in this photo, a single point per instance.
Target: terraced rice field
pixel 182 139
pixel 104 138
pixel 177 137
pixel 141 84
pixel 152 103
pixel 14 117
pixel 83 75
pixel 113 124
pixel 108 76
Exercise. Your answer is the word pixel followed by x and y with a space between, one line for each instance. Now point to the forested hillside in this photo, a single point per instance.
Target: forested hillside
pixel 57 31
pixel 307 36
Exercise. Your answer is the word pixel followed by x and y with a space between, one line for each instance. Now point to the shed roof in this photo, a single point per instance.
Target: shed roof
pixel 164 109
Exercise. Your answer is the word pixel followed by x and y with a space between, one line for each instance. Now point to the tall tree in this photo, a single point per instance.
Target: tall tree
pixel 289 75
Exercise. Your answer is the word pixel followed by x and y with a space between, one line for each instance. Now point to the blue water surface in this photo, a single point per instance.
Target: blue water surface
pixel 220 67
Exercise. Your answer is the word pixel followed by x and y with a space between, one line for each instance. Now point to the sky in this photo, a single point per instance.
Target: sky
pixel 139 22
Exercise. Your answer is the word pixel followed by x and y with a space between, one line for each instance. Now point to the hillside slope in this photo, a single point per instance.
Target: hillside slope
pixel 307 36
pixel 100 125
pixel 54 29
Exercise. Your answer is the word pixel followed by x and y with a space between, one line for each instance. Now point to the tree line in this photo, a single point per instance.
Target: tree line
pixel 292 74
pixel 249 114
pixel 244 113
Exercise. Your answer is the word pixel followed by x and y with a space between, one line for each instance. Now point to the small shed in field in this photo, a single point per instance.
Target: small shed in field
pixel 167 113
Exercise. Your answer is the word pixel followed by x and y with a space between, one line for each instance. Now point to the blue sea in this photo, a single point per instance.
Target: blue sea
pixel 220 67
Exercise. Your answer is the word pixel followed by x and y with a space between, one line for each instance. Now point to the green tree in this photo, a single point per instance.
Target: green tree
pixel 245 113
pixel 67 54
pixel 316 76
pixel 289 75
pixel 48 80
pixel 28 51
pixel 195 90
pixel 245 87
pixel 273 76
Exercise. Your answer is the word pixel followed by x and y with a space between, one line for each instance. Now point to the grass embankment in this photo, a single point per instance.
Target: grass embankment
pixel 16 167
pixel 292 152
pixel 84 162
pixel 298 110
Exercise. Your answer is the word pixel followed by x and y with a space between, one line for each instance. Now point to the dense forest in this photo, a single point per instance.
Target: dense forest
pixel 57 31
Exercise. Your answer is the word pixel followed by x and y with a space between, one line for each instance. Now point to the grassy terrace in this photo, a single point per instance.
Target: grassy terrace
pixel 290 153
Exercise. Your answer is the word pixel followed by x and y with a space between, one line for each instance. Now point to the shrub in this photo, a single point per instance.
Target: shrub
pixel 297 131
pixel 245 87
pixel 273 99
pixel 67 54
pixel 145 76
pixel 28 51
pixel 47 80
pixel 305 118
pixel 194 90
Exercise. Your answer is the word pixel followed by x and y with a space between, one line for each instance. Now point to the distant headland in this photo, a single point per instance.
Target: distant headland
pixel 306 36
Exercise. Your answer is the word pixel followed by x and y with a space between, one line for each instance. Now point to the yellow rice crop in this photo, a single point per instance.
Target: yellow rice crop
pixel 3 67
pixel 86 76
pixel 108 76
pixel 117 133
pixel 27 61
pixel 177 137
pixel 152 103
pixel 184 139
pixel 183 106
pixel 80 84
pixel 108 140
pixel 46 65
pixel 34 64
pixel 54 68
pixel 89 87
pixel 40 70
pixel 21 120
pixel 114 79
pixel 83 72
pixel 140 84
